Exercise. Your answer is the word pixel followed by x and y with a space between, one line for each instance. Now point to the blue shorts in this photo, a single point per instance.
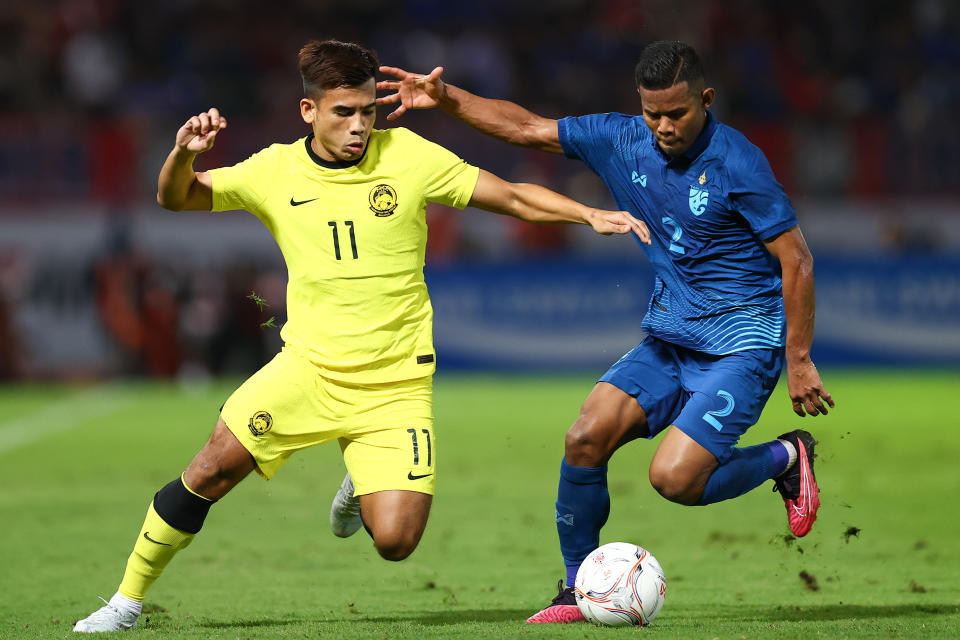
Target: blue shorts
pixel 713 399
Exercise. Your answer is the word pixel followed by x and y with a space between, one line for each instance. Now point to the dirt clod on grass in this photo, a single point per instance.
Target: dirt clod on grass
pixel 809 581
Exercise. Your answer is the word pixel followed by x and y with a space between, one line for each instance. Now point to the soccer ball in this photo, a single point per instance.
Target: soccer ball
pixel 620 584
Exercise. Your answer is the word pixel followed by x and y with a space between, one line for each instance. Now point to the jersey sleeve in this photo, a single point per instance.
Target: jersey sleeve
pixel 591 138
pixel 447 178
pixel 759 198
pixel 241 186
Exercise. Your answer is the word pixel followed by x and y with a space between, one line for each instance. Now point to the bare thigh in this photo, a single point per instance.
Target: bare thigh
pixel 609 418
pixel 396 519
pixel 681 467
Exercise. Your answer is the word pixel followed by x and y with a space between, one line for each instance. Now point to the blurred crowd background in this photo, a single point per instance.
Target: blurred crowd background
pixel 854 103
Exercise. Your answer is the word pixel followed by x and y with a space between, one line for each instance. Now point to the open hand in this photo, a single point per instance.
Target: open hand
pixel 806 389
pixel 199 132
pixel 413 90
pixel 609 222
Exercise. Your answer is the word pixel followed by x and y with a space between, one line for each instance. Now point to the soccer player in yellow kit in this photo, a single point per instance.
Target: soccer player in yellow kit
pixel 346 205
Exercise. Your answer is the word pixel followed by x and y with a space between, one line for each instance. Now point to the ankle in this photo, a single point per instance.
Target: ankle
pixel 123 603
pixel 791 455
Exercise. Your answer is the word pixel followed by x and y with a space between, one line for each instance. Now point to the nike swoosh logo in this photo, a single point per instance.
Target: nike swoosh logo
pixel 294 203
pixel 146 534
pixel 805 489
pixel 410 476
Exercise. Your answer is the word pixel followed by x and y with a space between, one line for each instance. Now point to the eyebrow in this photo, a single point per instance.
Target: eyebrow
pixel 677 111
pixel 348 108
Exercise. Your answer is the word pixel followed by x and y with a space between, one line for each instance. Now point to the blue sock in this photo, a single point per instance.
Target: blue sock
pixel 583 505
pixel 747 468
pixel 781 457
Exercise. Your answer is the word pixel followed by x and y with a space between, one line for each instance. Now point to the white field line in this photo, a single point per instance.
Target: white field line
pixel 69 413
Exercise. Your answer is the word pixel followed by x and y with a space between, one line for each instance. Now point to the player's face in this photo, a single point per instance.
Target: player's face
pixel 675 116
pixel 342 119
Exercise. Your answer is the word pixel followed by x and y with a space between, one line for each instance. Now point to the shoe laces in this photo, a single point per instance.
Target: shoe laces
pixel 787 486
pixel 348 504
pixel 106 612
pixel 564 593
pixel 788 483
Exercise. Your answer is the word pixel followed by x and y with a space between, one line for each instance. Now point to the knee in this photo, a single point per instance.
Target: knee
pixel 585 444
pixel 394 545
pixel 674 485
pixel 210 477
pixel 220 465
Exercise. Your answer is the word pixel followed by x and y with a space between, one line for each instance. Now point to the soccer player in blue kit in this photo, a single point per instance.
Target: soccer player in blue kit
pixel 733 299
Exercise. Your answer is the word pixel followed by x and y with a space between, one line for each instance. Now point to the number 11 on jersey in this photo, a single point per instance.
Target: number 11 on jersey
pixel 336 238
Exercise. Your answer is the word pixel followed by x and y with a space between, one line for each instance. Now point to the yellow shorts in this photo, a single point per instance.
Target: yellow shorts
pixel 385 430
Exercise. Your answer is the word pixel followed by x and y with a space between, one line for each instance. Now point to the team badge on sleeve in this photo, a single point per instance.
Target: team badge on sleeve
pixel 698 200
pixel 383 200
pixel 260 423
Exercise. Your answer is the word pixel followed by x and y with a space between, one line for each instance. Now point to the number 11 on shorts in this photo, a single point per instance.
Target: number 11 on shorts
pixel 416 447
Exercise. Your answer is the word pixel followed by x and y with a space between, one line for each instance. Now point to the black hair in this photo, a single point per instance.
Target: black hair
pixel 329 64
pixel 665 63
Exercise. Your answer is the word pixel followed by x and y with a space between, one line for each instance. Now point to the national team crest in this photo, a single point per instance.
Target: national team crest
pixel 260 423
pixel 383 200
pixel 698 200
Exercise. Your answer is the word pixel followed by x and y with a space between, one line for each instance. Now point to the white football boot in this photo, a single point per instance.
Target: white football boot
pixel 107 618
pixel 345 511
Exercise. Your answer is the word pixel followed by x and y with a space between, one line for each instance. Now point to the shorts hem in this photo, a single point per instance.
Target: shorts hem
pixel 265 470
pixel 696 436
pixel 642 398
pixel 375 487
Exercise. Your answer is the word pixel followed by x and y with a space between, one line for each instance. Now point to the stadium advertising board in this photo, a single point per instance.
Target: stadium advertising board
pixel 584 315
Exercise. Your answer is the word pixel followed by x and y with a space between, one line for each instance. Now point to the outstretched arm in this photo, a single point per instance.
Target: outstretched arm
pixel 803 379
pixel 498 118
pixel 534 203
pixel 179 187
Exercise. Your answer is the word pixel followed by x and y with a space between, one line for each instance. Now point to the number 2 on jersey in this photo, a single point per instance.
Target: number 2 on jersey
pixel 336 238
pixel 677 234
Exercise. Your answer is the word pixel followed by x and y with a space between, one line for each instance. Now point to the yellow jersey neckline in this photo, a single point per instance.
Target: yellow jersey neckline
pixel 333 164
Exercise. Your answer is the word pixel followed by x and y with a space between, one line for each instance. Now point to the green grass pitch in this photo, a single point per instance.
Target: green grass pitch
pixel 883 561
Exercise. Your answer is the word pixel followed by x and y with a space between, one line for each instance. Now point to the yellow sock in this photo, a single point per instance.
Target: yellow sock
pixel 155 547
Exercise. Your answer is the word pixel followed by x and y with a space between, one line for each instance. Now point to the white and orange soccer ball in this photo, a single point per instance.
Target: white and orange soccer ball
pixel 620 584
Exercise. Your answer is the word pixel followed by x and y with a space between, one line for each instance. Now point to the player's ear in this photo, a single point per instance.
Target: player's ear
pixel 308 110
pixel 707 97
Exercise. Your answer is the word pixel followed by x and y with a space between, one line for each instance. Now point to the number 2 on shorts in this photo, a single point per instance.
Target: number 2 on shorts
pixel 711 416
pixel 416 448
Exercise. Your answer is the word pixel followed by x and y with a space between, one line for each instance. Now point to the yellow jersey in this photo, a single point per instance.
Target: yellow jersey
pixel 353 236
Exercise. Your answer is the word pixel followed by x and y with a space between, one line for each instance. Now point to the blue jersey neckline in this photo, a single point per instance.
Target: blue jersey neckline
pixel 699 145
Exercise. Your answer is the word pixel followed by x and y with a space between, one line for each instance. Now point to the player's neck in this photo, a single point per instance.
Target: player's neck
pixel 312 146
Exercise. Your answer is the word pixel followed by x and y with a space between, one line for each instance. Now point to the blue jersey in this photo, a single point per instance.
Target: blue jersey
pixel 717 288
